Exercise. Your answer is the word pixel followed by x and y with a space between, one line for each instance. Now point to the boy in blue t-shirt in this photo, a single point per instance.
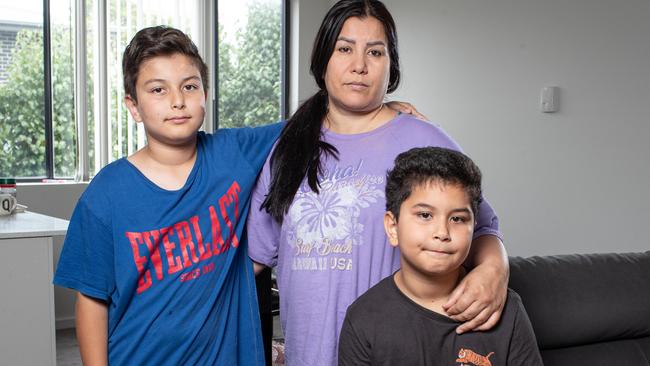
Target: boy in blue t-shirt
pixel 432 196
pixel 155 247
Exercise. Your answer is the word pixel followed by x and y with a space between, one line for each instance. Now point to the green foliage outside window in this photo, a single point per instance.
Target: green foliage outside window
pixel 22 126
pixel 249 74
pixel 249 92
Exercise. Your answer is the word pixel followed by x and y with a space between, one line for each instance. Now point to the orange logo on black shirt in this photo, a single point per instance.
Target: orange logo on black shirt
pixel 469 357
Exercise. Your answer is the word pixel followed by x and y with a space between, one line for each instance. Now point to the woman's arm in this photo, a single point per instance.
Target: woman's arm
pixel 258 267
pixel 92 330
pixel 479 298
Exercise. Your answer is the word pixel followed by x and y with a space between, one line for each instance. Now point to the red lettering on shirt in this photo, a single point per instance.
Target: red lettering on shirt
pixel 185 238
pixel 144 277
pixel 225 200
pixel 153 249
pixel 203 253
pixel 217 240
pixel 182 243
pixel 173 262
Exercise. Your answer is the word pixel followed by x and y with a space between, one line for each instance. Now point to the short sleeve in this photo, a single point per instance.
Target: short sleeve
pixel 523 345
pixel 255 143
pixel 263 231
pixel 86 261
pixel 353 349
pixel 487 222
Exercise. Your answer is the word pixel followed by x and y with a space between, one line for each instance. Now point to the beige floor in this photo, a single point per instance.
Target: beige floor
pixel 67 348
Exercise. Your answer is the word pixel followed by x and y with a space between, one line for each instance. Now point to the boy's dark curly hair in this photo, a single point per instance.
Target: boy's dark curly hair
pixel 431 164
pixel 158 41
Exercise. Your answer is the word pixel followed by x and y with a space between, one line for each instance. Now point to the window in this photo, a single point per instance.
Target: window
pixel 61 60
pixel 124 18
pixel 22 79
pixel 250 62
pixel 61 95
pixel 37 97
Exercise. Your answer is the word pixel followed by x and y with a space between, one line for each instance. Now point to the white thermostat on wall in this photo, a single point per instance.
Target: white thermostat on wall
pixel 550 99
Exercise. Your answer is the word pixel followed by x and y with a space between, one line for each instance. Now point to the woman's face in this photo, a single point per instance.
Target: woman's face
pixel 358 71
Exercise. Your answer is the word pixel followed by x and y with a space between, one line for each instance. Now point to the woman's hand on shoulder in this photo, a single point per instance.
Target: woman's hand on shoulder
pixel 405 107
pixel 479 298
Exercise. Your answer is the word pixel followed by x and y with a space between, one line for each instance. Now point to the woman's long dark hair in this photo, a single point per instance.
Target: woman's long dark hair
pixel 299 148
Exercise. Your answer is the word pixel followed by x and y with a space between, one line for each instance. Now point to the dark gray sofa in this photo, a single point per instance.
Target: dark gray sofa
pixel 591 309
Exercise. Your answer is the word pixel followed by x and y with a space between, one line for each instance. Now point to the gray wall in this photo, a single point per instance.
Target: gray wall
pixel 566 182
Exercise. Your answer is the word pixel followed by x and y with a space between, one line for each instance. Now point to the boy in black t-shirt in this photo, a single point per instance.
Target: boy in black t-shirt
pixel 432 195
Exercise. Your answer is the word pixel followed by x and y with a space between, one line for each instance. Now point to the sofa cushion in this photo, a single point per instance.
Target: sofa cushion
pixel 627 352
pixel 588 298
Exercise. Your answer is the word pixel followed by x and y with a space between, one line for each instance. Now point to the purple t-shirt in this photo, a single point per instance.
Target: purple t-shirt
pixel 331 247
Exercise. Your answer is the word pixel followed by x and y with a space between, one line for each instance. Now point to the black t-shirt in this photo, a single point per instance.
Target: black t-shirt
pixel 385 327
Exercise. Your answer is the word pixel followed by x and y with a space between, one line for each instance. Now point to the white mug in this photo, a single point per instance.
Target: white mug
pixel 7 204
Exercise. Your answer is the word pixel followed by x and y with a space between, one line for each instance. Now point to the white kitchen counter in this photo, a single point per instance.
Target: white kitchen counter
pixel 31 225
pixel 27 334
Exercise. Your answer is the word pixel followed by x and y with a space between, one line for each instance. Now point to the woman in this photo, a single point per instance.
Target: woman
pixel 321 192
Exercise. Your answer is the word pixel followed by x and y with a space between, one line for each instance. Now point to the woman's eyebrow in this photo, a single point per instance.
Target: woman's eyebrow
pixel 376 43
pixel 370 44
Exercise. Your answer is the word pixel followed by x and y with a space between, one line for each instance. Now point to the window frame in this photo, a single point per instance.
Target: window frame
pixel 47 94
pixel 209 42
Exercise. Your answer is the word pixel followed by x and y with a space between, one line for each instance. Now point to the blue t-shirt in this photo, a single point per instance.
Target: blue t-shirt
pixel 173 265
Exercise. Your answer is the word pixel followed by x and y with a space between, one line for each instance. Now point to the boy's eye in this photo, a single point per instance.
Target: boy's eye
pixel 424 215
pixel 157 90
pixel 190 87
pixel 458 219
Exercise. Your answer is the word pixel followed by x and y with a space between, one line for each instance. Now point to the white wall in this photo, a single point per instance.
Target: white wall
pixel 572 181
pixel 56 200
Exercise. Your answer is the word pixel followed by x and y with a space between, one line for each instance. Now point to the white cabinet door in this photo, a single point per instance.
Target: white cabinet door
pixel 27 334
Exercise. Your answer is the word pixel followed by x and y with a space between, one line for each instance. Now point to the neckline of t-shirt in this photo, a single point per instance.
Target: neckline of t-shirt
pixel 345 136
pixel 188 181
pixel 419 308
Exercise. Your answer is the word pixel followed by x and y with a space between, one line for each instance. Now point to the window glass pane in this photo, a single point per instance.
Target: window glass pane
pixel 63 74
pixel 125 18
pixel 250 39
pixel 22 127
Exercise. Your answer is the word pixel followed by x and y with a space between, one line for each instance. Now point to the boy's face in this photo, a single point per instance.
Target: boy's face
pixel 171 99
pixel 434 230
